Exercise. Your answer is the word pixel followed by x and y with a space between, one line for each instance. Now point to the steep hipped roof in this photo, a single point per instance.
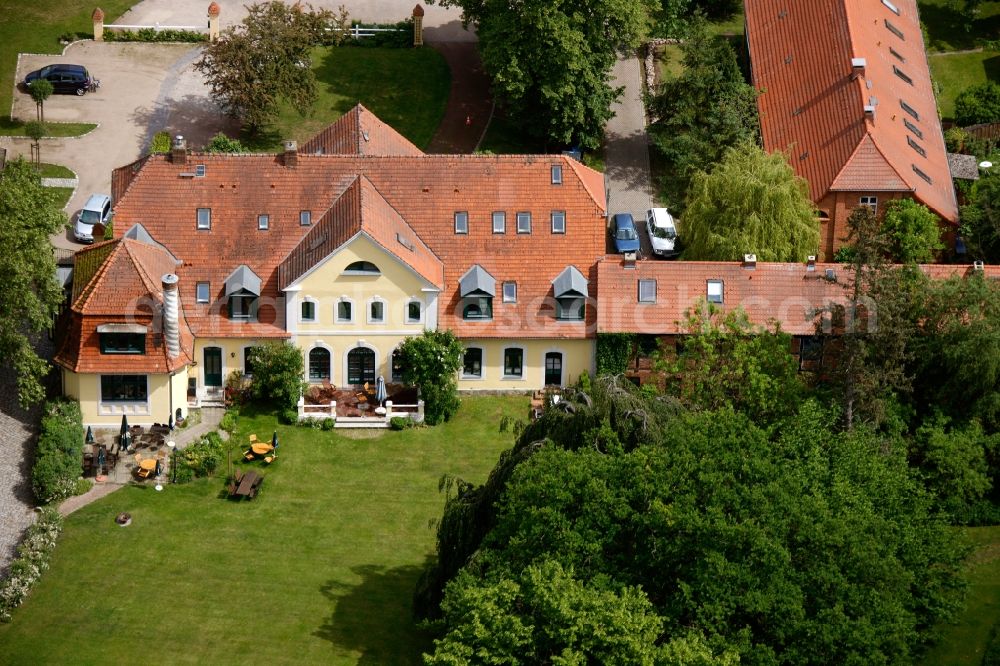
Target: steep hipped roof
pixel 359 132
pixel 813 102
pixel 361 209
pixel 117 287
pixel 786 293
pixel 422 192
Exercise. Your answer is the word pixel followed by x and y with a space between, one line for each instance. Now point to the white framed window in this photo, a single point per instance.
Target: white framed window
pixel 558 221
pixel 510 292
pixel 524 222
pixel 499 222
pixel 345 311
pixel 647 291
pixel 376 311
pixel 556 172
pixel 414 311
pixel 204 218
pixel 871 202
pixel 714 291
pixel 305 217
pixel 513 363
pixel 264 222
pixel 472 363
pixel 202 292
pixel 319 364
pixel 308 311
pixel 461 222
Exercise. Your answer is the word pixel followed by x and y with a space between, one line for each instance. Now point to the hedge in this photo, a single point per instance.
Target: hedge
pixel 154 35
pixel 59 453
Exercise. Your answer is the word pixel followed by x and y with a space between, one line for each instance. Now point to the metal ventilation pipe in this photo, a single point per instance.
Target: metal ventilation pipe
pixel 171 307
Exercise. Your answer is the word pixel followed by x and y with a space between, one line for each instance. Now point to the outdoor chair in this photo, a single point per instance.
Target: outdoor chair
pixel 253 439
pixel 144 473
pixel 138 459
pixel 248 455
pixel 269 459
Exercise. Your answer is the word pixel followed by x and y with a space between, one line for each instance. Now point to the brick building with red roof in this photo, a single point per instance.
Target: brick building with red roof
pixel 845 91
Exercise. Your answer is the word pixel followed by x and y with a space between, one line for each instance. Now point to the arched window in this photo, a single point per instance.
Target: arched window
pixel 362 268
pixel 360 365
pixel 319 364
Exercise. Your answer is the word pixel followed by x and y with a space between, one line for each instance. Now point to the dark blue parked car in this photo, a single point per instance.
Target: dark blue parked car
pixel 626 237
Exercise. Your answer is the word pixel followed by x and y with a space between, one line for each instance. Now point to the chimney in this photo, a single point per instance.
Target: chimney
pixel 978 266
pixel 858 67
pixel 178 153
pixel 750 261
pixel 811 263
pixel 171 326
pixel 629 259
pixel 291 153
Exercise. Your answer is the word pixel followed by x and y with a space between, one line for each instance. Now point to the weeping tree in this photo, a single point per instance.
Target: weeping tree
pixel 750 202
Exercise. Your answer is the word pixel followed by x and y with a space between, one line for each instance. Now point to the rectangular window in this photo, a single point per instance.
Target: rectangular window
pixel 123 388
pixel 472 363
pixel 345 311
pixel 204 218
pixel 920 173
pixel 477 307
pixel 916 146
pixel 713 291
pixel 913 128
pixel 897 54
pixel 570 308
pixel 263 222
pixel 499 222
pixel 308 311
pixel 647 291
pixel 909 109
pixel 201 292
pixel 242 306
pixel 557 174
pixel 413 312
pixel 558 222
pixel 305 218
pixel 513 362
pixel 871 202
pixel 524 223
pixel 376 312
pixel 892 8
pixel 123 343
pixel 894 30
pixel 462 222
pixel 199 171
pixel 510 292
pixel 901 74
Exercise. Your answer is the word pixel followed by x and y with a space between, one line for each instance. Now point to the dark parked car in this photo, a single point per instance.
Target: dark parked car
pixel 626 237
pixel 69 79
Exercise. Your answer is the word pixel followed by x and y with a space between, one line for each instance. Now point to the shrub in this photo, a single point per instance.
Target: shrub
pixel 978 104
pixel 277 374
pixel 32 559
pixel 59 452
pixel 401 423
pixel 82 485
pixel 431 361
pixel 229 420
pixel 289 417
pixel 154 35
pixel 161 142
pixel 327 424
pixel 201 458
pixel 401 38
pixel 220 143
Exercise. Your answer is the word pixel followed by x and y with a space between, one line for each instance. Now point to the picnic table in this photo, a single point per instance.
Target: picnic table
pixel 261 448
pixel 248 485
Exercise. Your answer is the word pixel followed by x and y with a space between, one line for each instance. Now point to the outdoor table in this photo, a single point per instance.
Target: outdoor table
pixel 261 449
pixel 148 464
pixel 246 483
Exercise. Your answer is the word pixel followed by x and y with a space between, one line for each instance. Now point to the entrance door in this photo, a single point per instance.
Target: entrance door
pixel 213 367
pixel 360 365
pixel 553 369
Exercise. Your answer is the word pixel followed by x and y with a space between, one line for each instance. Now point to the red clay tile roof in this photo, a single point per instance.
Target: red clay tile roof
pixel 425 191
pixel 813 107
pixel 782 292
pixel 119 282
pixel 359 132
pixel 361 209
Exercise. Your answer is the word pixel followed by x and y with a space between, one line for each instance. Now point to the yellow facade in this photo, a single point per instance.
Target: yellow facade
pixel 231 353
pixel 165 393
pixel 355 310
pixel 574 357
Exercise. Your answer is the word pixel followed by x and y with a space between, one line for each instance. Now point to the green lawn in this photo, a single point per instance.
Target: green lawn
pixel 957 71
pixel 320 568
pixel 406 88
pixel 964 641
pixel 35 26
pixel 10 127
pixel 60 195
pixel 946 29
pixel 55 171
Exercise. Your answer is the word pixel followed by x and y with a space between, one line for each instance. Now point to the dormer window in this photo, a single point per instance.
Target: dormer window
pixel 204 218
pixel 362 268
pixel 477 289
pixel 243 293
pixel 570 290
pixel 556 174
pixel 122 338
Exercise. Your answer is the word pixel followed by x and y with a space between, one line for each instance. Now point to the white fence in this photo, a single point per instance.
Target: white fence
pixel 380 416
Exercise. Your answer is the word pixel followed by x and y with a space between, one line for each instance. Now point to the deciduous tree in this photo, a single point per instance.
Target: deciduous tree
pixel 29 293
pixel 550 60
pixel 750 202
pixel 978 104
pixel 914 231
pixel 430 362
pixel 277 374
pixel 40 91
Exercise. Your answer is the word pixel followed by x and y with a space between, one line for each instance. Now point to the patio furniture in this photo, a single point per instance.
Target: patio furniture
pixel 268 460
pixel 253 439
pixel 250 481
pixel 146 467
pixel 261 448
pixel 248 455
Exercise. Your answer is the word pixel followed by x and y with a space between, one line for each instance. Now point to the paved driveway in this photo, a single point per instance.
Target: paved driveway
pixel 144 88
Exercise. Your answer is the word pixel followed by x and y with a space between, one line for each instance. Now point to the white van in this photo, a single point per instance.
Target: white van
pixel 662 232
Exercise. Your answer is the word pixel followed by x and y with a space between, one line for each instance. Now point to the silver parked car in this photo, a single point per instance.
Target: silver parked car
pixel 662 232
pixel 97 210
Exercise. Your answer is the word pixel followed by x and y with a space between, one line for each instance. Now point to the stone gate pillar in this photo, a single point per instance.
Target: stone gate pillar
pixel 98 18
pixel 213 21
pixel 418 26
